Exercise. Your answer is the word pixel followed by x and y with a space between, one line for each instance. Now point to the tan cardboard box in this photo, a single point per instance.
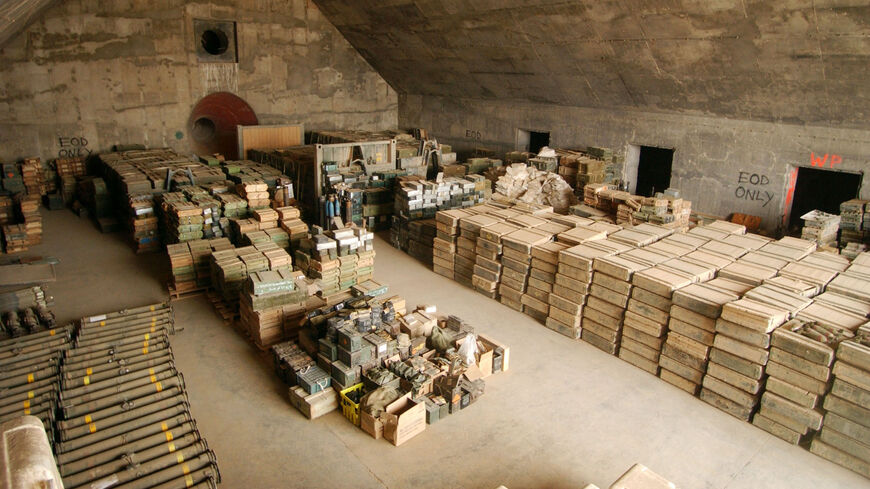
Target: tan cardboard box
pixel 404 419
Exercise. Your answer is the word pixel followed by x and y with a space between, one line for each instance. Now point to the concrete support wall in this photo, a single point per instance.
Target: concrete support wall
pixel 89 74
pixel 721 165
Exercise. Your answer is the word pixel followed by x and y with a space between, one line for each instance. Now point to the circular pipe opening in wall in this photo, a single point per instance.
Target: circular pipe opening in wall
pixel 203 129
pixel 215 41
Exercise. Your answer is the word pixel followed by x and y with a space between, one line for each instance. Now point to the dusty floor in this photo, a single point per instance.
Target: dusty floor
pixel 565 415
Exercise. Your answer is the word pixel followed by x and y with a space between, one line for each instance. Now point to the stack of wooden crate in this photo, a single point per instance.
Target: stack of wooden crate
pixel 845 436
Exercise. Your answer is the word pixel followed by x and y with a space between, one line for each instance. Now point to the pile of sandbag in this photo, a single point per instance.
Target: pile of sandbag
pixel 528 184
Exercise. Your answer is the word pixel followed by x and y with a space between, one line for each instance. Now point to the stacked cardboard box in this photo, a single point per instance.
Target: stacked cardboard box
pixel 183 221
pixel 488 267
pixel 190 262
pixel 31 174
pixel 421 199
pixel 67 171
pixel 799 369
pixel 213 224
pixel 338 259
pixel 610 291
pixel 517 250
pixel 691 330
pixel 733 382
pixel 7 211
pixel 232 206
pixel 820 227
pixel 444 244
pixel 845 436
pixel 541 282
pixel 32 219
pixel 854 221
pixel 230 268
pixel 15 238
pixel 267 295
pixel 421 236
pixel 266 218
pixel 466 246
pixel 417 199
pixel 255 192
pixel 291 222
pixel 580 168
pixel 648 313
pixel 143 223
pixel 572 281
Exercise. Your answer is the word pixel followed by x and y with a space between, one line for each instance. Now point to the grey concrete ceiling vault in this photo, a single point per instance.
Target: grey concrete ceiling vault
pixel 795 61
pixel 15 15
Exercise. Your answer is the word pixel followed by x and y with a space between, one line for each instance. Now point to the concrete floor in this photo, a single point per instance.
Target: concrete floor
pixel 565 415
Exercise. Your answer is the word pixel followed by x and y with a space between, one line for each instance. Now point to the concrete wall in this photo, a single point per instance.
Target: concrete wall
pixel 714 159
pixel 122 71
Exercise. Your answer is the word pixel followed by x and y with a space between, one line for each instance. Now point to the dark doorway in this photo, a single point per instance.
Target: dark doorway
pixel 653 170
pixel 824 190
pixel 538 140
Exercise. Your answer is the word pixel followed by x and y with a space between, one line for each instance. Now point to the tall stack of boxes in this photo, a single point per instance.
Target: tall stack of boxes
pixel 29 206
pixel 845 434
pixel 67 171
pixel 183 221
pixel 608 298
pixel 572 280
pixel 790 407
pixel 444 244
pixel 190 262
pixel 31 174
pixel 262 306
pixel 691 329
pixel 488 250
pixel 417 199
pixel 743 331
pixel 854 222
pixel 518 249
pixel 255 192
pixel 542 279
pixel 648 310
pixel 290 219
pixel 338 259
pixel 466 246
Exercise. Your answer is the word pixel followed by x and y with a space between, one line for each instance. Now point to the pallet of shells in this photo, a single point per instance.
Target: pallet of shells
pixel 126 418
pixel 31 349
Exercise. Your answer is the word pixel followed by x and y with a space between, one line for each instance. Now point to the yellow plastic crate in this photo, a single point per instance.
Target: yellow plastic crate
pixel 348 407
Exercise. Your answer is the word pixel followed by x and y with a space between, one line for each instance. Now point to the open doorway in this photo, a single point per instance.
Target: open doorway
pixel 532 141
pixel 653 170
pixel 824 190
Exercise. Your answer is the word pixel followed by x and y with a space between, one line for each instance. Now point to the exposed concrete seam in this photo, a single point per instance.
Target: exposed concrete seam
pixel 352 452
pixel 748 461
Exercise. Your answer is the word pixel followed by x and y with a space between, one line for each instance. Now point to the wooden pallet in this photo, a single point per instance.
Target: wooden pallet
pixel 223 309
pixel 176 295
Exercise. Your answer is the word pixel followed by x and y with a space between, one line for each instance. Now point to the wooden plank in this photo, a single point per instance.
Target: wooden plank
pixel 265 137
pixel 809 418
pixel 661 281
pixel 678 368
pixel 776 429
pixel 754 315
pixel 839 457
pixel 795 394
pixel 651 299
pixel 745 335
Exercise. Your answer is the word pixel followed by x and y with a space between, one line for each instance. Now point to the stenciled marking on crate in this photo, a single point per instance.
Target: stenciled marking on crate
pixel 749 187
pixel 73 146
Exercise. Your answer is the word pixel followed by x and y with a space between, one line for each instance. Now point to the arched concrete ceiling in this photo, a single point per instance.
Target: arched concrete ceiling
pixel 796 61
